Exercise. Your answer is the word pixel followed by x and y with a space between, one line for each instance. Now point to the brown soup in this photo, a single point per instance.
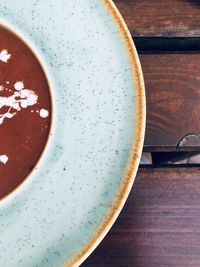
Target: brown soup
pixel 25 111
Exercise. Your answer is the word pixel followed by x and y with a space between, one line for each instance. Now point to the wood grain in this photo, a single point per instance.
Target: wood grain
pixel 159 225
pixel 173 96
pixel 147 18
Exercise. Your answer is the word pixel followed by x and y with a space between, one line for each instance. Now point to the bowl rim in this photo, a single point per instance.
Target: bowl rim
pixel 137 141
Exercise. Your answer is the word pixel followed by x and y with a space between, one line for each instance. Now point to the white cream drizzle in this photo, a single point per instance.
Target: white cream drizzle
pixel 4 56
pixel 22 98
pixel 44 113
pixel 19 85
pixel 3 159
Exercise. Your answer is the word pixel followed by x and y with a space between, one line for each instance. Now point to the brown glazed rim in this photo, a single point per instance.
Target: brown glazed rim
pixel 137 142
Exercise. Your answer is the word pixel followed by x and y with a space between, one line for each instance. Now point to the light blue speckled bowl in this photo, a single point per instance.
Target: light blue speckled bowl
pixel 69 202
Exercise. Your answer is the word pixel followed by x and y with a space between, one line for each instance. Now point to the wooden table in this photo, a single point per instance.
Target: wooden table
pixel 160 223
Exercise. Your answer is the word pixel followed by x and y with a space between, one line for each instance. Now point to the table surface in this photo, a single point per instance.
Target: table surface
pixel 160 223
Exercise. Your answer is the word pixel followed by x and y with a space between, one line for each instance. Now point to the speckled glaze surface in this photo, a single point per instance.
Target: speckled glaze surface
pixel 69 202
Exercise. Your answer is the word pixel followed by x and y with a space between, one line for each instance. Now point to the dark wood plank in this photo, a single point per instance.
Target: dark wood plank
pixel 166 44
pixel 159 225
pixel 173 97
pixel 161 18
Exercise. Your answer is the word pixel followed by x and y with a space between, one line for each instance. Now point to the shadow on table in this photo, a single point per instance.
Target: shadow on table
pixel 170 158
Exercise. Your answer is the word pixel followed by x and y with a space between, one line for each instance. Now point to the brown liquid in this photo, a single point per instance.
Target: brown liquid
pixel 23 137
